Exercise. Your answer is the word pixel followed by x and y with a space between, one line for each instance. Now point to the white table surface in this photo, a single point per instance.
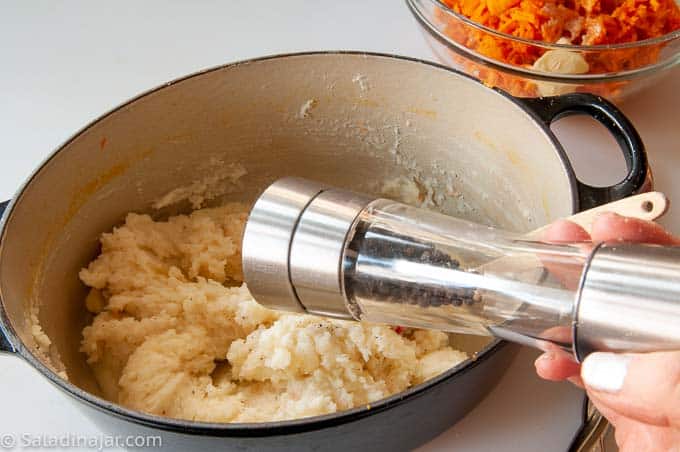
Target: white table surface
pixel 63 63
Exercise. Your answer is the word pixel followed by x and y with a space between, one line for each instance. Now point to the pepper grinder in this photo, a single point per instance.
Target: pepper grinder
pixel 314 249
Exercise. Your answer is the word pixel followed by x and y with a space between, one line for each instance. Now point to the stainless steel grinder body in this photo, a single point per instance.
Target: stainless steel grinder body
pixel 330 252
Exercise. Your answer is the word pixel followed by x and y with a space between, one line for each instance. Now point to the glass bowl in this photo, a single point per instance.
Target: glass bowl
pixel 613 71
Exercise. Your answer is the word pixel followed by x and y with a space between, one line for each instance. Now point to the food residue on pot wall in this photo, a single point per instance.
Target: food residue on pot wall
pixel 307 107
pixel 221 178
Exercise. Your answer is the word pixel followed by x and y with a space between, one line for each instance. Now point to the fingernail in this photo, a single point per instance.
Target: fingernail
pixel 605 371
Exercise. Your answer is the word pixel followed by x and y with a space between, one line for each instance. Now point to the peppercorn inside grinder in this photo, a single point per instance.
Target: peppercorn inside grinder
pixel 314 249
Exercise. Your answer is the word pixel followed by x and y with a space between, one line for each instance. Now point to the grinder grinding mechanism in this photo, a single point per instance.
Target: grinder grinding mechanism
pixel 314 249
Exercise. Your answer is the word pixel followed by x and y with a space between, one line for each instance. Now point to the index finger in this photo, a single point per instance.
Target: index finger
pixel 611 227
pixel 565 231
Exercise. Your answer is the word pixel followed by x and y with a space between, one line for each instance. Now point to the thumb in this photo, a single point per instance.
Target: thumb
pixel 643 387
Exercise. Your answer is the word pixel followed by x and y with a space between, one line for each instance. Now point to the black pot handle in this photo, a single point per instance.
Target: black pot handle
pixel 5 344
pixel 638 179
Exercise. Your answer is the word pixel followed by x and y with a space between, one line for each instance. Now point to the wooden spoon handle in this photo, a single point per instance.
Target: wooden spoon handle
pixel 645 206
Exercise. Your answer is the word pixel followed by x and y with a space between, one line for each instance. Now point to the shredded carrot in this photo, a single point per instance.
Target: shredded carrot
pixel 579 22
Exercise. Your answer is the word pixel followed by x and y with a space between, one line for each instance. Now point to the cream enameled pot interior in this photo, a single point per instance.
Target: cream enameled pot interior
pixel 350 120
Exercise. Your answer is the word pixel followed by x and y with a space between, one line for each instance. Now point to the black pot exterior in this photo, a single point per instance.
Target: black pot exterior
pixel 5 343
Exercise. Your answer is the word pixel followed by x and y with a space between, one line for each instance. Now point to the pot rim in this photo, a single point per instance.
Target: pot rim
pixel 285 427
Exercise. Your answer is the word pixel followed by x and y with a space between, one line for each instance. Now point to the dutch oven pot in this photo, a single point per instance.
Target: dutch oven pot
pixel 353 120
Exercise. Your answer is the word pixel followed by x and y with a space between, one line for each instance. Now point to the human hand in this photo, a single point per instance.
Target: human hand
pixel 638 393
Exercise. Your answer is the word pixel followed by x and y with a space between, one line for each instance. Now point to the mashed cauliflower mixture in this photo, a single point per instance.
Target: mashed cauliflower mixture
pixel 177 334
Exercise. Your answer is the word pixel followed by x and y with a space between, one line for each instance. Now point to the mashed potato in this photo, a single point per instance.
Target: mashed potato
pixel 177 334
